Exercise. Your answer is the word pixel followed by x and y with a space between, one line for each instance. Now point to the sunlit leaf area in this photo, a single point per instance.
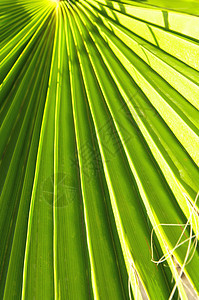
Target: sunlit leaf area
pixel 99 150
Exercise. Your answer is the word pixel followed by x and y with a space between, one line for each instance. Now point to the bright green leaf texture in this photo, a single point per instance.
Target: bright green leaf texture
pixel 99 150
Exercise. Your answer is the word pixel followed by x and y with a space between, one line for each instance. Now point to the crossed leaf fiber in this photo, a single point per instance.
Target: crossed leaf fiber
pixel 99 149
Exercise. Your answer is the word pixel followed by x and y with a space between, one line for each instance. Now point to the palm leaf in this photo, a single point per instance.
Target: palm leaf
pixel 99 150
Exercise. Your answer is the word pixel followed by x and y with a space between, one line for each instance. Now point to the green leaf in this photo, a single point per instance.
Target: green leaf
pixel 99 149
